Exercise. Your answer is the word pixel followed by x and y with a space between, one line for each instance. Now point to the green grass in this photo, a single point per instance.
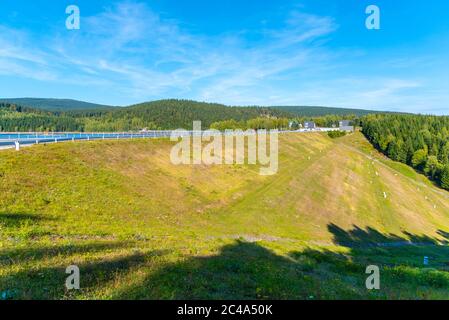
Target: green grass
pixel 139 227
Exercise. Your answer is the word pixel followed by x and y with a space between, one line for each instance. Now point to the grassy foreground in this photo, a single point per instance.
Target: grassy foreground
pixel 141 228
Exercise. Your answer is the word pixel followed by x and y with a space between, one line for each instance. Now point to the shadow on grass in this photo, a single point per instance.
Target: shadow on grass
pixel 14 220
pixel 24 225
pixel 369 237
pixel 15 255
pixel 444 234
pixel 48 282
pixel 244 270
pixel 240 271
pixel 249 271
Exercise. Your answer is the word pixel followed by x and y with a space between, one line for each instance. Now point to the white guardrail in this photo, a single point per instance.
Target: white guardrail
pixel 16 140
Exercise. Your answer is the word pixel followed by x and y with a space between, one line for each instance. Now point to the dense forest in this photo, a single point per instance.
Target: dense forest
pixel 31 114
pixel 17 118
pixel 417 140
pixel 172 114
pixel 164 114
pixel 65 105
pixel 54 104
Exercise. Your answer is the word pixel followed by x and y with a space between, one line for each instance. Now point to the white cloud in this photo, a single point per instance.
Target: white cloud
pixel 146 56
pixel 132 51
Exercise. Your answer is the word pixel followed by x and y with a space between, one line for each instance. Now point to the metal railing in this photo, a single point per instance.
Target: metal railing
pixel 10 140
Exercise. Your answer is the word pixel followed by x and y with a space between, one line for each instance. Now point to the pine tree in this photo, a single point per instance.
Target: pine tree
pixel 445 177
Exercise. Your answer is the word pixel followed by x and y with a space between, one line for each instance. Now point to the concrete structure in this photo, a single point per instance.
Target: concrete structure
pixel 345 125
pixel 347 129
pixel 309 125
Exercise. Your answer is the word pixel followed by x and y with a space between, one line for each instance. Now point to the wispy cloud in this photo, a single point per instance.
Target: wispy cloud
pixel 134 52
pixel 146 56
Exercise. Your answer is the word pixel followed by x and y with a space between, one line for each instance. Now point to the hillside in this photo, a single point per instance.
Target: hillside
pixel 417 140
pixel 173 114
pixel 69 105
pixel 55 104
pixel 23 119
pixel 162 114
pixel 140 227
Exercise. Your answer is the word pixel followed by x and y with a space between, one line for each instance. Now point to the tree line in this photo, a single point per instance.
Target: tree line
pixel 15 118
pixel 163 114
pixel 281 123
pixel 157 115
pixel 258 123
pixel 420 141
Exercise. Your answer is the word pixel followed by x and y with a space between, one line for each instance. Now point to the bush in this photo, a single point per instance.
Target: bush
pixel 336 134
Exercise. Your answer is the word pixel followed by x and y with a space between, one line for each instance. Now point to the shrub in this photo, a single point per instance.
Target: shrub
pixel 336 134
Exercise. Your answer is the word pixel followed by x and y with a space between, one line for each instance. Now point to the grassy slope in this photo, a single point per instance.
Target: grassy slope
pixel 139 227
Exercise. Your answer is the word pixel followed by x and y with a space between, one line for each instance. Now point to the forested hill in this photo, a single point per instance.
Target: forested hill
pixel 417 140
pixel 69 105
pixel 18 118
pixel 55 104
pixel 311 111
pixel 163 114
pixel 169 114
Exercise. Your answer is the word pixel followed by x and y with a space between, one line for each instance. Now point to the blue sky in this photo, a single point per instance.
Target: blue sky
pixel 246 52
